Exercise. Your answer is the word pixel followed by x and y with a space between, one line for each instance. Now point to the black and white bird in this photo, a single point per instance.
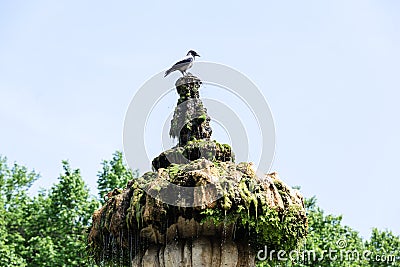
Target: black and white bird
pixel 184 64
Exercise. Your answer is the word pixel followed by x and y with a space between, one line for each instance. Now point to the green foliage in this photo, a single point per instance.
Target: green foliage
pixel 329 243
pixel 68 217
pixel 115 174
pixel 384 247
pixel 14 183
pixel 328 238
pixel 48 229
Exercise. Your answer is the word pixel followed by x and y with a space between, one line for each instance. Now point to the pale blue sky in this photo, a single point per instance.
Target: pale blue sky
pixel 329 70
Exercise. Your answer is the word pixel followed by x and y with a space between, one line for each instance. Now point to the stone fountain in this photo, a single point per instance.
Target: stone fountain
pixel 197 207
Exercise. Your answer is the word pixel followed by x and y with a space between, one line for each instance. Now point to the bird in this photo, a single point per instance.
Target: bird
pixel 184 64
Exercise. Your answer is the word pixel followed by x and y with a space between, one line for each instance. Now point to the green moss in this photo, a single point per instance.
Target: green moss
pixel 272 226
pixel 135 210
pixel 202 117
pixel 173 170
pixel 193 150
pixel 227 203
pixel 278 230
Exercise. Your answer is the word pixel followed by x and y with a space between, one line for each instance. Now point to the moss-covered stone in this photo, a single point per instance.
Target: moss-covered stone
pixel 263 211
pixel 232 206
pixel 190 121
pixel 193 150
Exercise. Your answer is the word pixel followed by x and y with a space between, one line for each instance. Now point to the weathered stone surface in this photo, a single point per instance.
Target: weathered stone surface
pixel 190 120
pixel 225 215
pixel 150 257
pixel 161 259
pixel 193 150
pixel 198 252
pixel 216 252
pixel 187 254
pixel 202 252
pixel 173 254
pixel 137 260
pixel 246 257
pixel 187 228
pixel 229 254
pixel 251 211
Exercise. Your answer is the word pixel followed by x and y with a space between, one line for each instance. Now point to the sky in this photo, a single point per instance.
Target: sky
pixel 328 69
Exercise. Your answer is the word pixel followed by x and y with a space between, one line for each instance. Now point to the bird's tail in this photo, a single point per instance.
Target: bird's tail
pixel 167 72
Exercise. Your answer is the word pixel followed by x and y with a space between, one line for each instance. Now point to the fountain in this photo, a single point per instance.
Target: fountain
pixel 197 207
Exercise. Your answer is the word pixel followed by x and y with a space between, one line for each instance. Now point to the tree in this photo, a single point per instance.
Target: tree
pixel 332 243
pixel 14 183
pixel 115 174
pixel 48 229
pixel 69 213
pixel 328 243
pixel 41 248
pixel 384 247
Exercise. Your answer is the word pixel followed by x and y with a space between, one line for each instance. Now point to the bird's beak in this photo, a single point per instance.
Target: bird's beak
pixel 197 55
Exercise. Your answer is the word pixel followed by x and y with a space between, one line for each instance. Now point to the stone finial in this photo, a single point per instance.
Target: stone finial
pixel 190 121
